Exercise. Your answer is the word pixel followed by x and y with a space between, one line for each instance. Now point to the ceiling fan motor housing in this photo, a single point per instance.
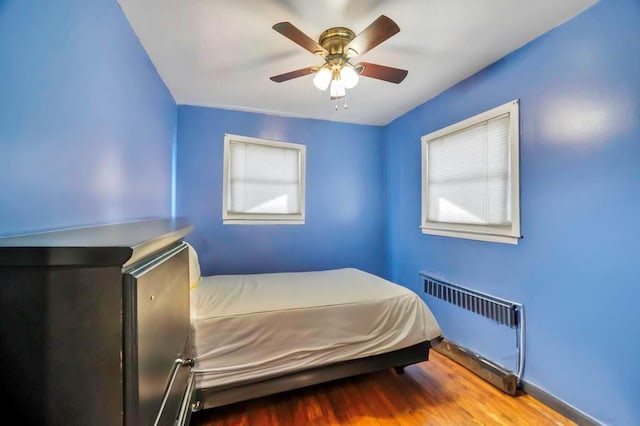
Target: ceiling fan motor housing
pixel 334 40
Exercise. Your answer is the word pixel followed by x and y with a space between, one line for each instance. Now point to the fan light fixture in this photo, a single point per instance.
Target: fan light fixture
pixel 337 46
pixel 337 80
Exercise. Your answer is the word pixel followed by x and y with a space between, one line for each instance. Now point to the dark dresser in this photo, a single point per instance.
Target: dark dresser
pixel 95 327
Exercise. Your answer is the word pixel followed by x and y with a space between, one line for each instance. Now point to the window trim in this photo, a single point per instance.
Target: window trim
pixel 492 233
pixel 233 218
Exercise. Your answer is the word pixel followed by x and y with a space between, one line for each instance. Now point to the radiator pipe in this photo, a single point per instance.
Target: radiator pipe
pixel 520 342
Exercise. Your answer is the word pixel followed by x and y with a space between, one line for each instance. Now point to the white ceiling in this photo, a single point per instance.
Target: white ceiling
pixel 221 53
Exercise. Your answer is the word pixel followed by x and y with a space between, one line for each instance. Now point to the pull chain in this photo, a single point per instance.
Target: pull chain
pixel 345 106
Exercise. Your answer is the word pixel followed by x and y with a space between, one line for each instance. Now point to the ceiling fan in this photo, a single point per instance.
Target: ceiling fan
pixel 337 46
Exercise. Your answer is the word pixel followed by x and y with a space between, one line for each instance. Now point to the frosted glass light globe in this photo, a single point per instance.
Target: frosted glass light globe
pixel 337 89
pixel 322 79
pixel 349 77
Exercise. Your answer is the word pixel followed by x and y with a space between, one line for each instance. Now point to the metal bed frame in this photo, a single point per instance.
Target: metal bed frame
pixel 244 390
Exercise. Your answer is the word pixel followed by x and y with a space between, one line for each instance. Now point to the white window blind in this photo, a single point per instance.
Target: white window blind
pixel 469 175
pixel 264 180
pixel 470 178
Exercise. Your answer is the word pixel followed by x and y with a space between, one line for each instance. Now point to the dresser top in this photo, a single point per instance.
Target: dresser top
pixel 102 245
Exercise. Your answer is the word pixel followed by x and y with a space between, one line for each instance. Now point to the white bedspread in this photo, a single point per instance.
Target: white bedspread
pixel 262 325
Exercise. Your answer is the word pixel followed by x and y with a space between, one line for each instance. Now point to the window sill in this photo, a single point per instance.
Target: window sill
pixel 261 222
pixel 507 239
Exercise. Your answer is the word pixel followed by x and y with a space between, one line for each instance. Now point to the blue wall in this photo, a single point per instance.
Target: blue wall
pixel 344 197
pixel 575 270
pixel 87 130
pixel 86 123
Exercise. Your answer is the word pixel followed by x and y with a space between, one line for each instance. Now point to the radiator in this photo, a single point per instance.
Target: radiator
pixel 504 312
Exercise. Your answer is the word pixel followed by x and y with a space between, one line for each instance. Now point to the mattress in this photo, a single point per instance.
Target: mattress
pixel 257 326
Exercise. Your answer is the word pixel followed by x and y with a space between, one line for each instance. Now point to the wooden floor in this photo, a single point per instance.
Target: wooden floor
pixel 436 392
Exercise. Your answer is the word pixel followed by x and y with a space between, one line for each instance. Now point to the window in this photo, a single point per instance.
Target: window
pixel 263 181
pixel 470 178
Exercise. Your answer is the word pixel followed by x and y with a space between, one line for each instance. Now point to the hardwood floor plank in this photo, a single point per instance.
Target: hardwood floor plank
pixel 438 392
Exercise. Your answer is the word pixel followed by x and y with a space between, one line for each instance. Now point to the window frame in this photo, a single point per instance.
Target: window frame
pixel 235 218
pixel 492 233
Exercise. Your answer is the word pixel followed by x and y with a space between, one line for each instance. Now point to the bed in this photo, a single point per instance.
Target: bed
pixel 259 334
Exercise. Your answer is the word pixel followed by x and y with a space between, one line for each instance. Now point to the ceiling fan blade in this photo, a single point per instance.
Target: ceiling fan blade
pixel 288 30
pixel 293 74
pixel 381 72
pixel 378 31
